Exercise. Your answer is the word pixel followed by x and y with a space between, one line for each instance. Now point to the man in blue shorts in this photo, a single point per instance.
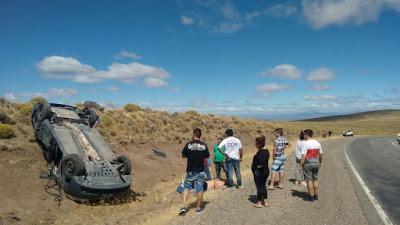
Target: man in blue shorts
pixel 196 152
pixel 279 158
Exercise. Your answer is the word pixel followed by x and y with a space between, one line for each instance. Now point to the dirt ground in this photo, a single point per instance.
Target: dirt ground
pixel 27 199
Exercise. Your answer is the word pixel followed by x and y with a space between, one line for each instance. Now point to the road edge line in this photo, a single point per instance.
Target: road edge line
pixel 385 219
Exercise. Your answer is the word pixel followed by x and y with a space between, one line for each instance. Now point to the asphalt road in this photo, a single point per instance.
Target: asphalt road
pixel 377 160
pixel 341 199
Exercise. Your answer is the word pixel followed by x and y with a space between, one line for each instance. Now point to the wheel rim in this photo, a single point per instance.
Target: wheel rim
pixel 69 167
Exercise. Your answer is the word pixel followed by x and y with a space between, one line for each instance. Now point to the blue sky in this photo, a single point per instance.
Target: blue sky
pixel 274 59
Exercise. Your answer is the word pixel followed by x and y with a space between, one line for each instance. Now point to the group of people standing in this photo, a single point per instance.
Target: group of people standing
pixel 228 154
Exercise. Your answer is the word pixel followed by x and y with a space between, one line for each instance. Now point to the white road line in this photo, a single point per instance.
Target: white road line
pixel 373 200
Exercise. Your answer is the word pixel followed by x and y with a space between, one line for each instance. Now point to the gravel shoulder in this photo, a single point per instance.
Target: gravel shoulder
pixel 341 199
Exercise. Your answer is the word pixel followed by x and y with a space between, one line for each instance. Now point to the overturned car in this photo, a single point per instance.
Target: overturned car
pixel 82 163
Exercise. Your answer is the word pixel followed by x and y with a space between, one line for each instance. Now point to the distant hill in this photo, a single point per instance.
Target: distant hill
pixel 378 115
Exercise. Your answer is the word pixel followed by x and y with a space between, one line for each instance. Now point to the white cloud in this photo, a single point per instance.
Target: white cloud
pixel 322 13
pixel 154 82
pixel 320 97
pixel 223 16
pixel 113 89
pixel 320 87
pixel 186 20
pixel 130 72
pixel 251 16
pixel 63 66
pixel 281 10
pixel 60 92
pixel 228 27
pixel 286 71
pixel 130 55
pixel 229 11
pixel 90 78
pixel 271 87
pixel 321 74
pixel 58 67
pixel 11 97
pixel 175 90
pixel 51 93
pixel 286 110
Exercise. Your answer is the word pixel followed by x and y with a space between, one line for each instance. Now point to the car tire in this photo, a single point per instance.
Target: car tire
pixel 72 165
pixel 93 117
pixel 46 112
pixel 126 167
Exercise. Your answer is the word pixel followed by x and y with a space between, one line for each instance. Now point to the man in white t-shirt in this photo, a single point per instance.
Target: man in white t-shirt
pixel 311 159
pixel 233 154
pixel 299 175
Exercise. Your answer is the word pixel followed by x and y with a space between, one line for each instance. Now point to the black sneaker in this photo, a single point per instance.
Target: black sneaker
pixel 309 198
pixel 183 211
pixel 316 197
pixel 239 186
pixel 199 210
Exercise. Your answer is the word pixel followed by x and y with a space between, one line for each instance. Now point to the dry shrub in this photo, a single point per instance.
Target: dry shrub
pixel 79 105
pixel 6 131
pixel 93 105
pixel 4 118
pixel 36 100
pixel 132 108
pixel 3 100
pixel 24 108
pixel 22 130
pixel 107 121
pixel 192 113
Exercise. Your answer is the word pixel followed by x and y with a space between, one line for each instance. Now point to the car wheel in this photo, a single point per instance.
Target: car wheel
pixel 126 166
pixel 46 112
pixel 72 165
pixel 93 117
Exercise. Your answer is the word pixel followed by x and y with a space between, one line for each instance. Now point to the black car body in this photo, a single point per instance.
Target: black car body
pixel 83 164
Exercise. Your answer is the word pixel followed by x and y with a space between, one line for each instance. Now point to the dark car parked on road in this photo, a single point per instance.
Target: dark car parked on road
pixel 83 165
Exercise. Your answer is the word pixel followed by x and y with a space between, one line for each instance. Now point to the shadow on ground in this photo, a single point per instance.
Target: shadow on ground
pixel 300 194
pixel 193 205
pixel 253 199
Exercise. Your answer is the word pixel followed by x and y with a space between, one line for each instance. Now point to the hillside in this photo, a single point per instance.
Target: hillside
pixel 378 115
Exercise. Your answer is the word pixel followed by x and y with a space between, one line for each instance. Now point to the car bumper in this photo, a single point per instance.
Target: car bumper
pixel 96 188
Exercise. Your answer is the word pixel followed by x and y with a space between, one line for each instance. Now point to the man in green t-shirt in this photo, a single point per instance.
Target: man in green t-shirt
pixel 219 159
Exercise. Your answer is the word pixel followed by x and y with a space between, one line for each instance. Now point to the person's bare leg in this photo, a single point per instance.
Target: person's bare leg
pixel 316 186
pixel 281 180
pixel 310 187
pixel 185 198
pixel 199 199
pixel 272 184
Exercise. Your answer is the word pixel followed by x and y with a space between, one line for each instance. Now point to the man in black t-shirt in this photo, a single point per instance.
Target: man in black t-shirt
pixel 196 152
